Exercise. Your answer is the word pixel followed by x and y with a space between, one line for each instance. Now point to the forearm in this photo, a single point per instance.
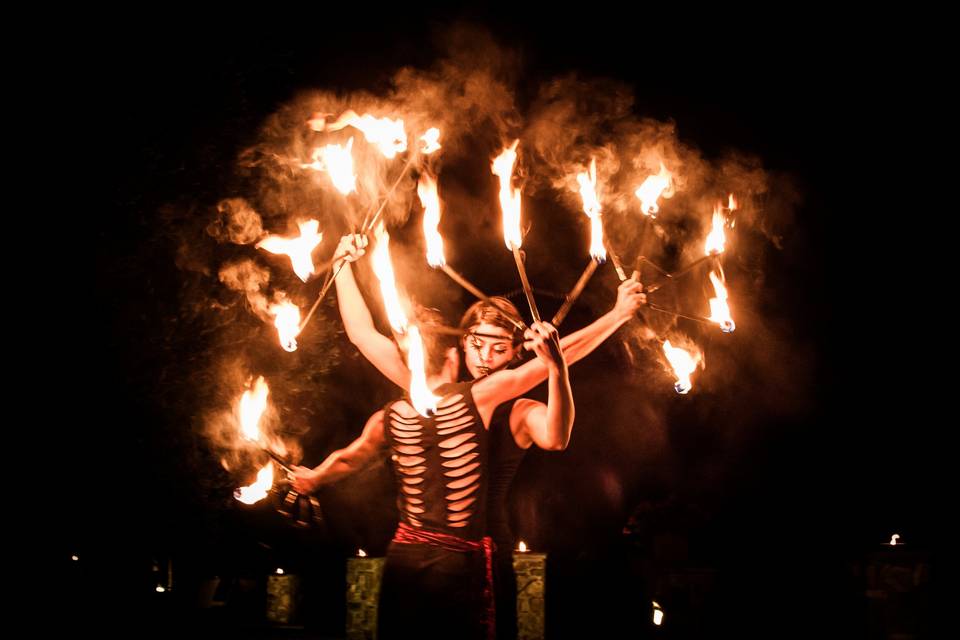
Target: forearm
pixel 560 409
pixel 581 343
pixel 353 308
pixel 337 466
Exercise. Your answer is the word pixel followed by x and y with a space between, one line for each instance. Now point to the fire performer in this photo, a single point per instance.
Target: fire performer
pixel 438 575
pixel 491 343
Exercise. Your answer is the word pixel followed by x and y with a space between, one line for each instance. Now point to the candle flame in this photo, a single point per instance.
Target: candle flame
pixel 361 553
pixel 298 249
pixel 383 269
pixel 259 489
pixel 422 398
pixel 591 207
pixel 657 614
pixel 894 538
pixel 509 197
pixel 337 161
pixel 279 571
pixel 387 135
pixel 683 365
pixel 716 238
pixel 287 321
pixel 652 189
pixel 430 140
pixel 253 403
pixel 430 199
pixel 719 310
pixel 522 547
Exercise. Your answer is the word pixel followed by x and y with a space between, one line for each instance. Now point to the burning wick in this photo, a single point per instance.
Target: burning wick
pixel 361 553
pixel 657 614
pixel 522 547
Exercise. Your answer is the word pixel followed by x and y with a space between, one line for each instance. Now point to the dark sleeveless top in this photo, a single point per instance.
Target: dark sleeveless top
pixel 505 458
pixel 440 463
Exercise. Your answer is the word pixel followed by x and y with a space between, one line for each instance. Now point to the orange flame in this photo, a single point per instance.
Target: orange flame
pixel 388 135
pixel 253 403
pixel 430 140
pixel 731 203
pixel 287 321
pixel 337 161
pixel 430 199
pixel 716 238
pixel 298 249
pixel 259 489
pixel 719 310
pixel 423 400
pixel 591 207
pixel 683 365
pixel 509 197
pixel 652 189
pixel 522 547
pixel 383 269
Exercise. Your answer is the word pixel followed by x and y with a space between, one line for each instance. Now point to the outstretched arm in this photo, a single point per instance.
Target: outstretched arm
pixel 344 462
pixel 380 350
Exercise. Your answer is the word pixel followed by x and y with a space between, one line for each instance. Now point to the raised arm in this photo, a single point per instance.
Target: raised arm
pixel 380 350
pixel 344 462
pixel 547 426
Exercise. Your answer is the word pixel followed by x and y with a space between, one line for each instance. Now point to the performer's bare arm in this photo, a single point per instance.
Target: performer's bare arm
pixel 344 462
pixel 381 351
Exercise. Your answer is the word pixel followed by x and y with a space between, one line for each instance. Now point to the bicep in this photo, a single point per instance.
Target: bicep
pixel 382 353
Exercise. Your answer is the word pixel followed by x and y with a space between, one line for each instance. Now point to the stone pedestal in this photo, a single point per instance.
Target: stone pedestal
pixel 363 592
pixel 283 594
pixel 531 570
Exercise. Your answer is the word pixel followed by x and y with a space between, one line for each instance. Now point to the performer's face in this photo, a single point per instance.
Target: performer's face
pixel 488 352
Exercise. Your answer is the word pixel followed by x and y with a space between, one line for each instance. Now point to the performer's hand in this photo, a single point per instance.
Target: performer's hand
pixel 542 338
pixel 630 297
pixel 304 480
pixel 351 248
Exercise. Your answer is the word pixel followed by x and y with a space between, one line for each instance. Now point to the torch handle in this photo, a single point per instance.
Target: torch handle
pixel 574 293
pixel 527 290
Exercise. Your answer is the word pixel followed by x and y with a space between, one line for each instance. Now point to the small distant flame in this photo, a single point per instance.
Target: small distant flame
pixel 383 269
pixel 253 403
pixel 509 197
pixel 75 558
pixel 652 189
pixel 338 162
pixel 894 539
pixel 258 490
pixel 716 238
pixel 430 140
pixel 591 206
pixel 423 400
pixel 719 310
pixel 522 547
pixel 298 249
pixel 279 571
pixel 657 614
pixel 388 135
pixel 160 589
pixel 361 553
pixel 287 321
pixel 683 365
pixel 430 199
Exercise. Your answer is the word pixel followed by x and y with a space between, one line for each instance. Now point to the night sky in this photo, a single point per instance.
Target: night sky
pixel 803 449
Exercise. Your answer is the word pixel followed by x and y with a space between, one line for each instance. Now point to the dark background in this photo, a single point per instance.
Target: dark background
pixel 784 527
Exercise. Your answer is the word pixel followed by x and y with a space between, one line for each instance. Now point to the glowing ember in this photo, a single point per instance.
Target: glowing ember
pixel 652 189
pixel 388 135
pixel 591 207
pixel 683 365
pixel 719 310
pixel 427 190
pixel 522 547
pixel 430 140
pixel 259 489
pixel 298 249
pixel 338 162
pixel 383 269
pixel 716 238
pixel 287 321
pixel 421 397
pixel 252 405
pixel 509 197
pixel 361 553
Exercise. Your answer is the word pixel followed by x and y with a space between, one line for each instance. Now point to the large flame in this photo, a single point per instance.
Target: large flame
pixel 652 189
pixel 683 365
pixel 719 310
pixel 383 269
pixel 716 238
pixel 287 321
pixel 509 197
pixel 336 160
pixel 298 249
pixel 591 207
pixel 430 140
pixel 424 401
pixel 388 135
pixel 430 199
pixel 253 403
pixel 259 489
